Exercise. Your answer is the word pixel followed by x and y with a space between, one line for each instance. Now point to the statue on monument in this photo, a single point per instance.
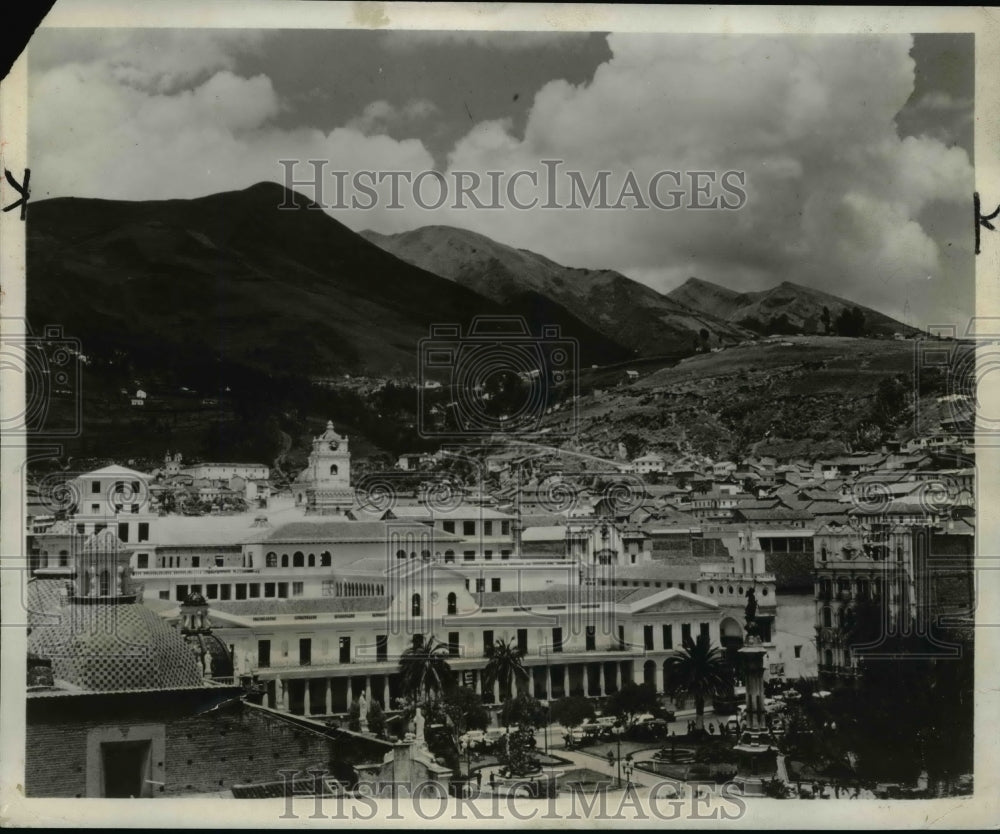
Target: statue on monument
pixel 363 712
pixel 750 614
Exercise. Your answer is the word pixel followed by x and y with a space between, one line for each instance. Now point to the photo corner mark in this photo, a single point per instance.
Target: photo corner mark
pixel 22 189
pixel 982 221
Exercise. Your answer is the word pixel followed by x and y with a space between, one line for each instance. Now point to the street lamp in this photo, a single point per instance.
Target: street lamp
pixel 466 746
pixel 618 729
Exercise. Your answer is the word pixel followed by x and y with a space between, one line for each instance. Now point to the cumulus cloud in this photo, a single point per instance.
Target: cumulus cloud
pixel 835 198
pixel 834 194
pixel 381 116
pixel 113 124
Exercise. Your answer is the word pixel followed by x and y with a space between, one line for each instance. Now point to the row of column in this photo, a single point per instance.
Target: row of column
pixel 620 671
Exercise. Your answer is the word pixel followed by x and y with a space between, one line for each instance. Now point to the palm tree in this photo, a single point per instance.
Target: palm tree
pixel 505 665
pixel 700 671
pixel 424 670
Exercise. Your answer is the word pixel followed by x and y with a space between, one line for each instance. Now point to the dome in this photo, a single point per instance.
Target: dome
pixel 113 647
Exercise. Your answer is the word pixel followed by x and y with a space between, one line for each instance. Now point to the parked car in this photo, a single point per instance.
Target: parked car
pixel 652 730
pixel 473 738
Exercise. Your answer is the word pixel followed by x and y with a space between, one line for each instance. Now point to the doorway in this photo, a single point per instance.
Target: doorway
pixel 126 768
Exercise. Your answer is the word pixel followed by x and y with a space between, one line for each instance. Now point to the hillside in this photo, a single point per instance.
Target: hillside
pixel 787 308
pixel 797 396
pixel 233 279
pixel 624 310
pixel 227 311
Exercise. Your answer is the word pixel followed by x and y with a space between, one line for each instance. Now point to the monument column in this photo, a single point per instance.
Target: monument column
pixel 756 752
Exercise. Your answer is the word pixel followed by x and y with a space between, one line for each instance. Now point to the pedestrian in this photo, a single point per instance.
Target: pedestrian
pixel 479 778
pixel 711 728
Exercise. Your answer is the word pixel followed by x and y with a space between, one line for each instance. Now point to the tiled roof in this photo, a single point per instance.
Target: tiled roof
pixel 465 511
pixel 773 514
pixel 290 607
pixel 343 530
pixel 112 647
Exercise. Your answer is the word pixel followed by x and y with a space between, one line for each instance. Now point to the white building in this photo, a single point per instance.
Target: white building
pixel 650 462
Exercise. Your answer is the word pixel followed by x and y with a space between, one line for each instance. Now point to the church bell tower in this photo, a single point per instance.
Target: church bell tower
pixel 329 474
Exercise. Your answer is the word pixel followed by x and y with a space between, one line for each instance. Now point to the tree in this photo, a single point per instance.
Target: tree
pixel 699 671
pixel 631 700
pixel 424 670
pixel 572 711
pixel 505 665
pixel 850 322
pixel 464 708
pixel 517 753
pixel 524 710
pixel 825 317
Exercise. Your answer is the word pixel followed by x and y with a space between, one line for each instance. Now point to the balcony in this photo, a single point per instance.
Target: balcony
pixel 746 578
pixel 155 573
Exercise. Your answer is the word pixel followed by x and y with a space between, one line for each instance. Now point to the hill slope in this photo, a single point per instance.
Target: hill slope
pixel 233 279
pixel 801 306
pixel 623 310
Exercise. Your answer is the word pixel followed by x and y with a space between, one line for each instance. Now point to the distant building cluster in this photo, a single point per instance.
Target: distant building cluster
pixel 596 572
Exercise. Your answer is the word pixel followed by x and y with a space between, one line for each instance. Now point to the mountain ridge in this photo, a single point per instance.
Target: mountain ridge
pixel 622 309
pixel 801 306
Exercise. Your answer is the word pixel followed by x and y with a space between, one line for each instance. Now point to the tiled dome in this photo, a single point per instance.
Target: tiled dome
pixel 113 647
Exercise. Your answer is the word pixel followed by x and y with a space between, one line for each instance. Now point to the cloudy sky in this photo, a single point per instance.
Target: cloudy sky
pixel 857 150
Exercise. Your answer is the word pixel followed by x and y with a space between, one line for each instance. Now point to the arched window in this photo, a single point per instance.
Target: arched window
pixel 827 617
pixel 425 554
pixel 312 560
pixel 400 554
pixel 284 560
pixel 333 469
pixel 271 560
pixel 413 554
pixel 298 559
pixel 325 559
pixel 452 603
pixel 415 605
pixel 822 553
pixel 449 556
pixel 63 558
